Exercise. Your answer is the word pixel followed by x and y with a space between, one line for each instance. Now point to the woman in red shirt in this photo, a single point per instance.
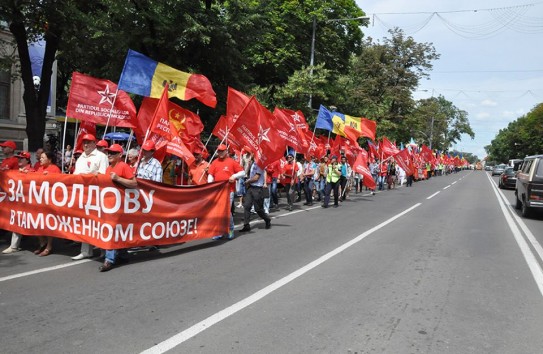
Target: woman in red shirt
pixel 47 160
pixel 289 177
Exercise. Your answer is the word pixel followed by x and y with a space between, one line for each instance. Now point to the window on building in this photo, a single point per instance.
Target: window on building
pixel 5 84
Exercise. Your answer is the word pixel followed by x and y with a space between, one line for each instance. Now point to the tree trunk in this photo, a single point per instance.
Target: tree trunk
pixel 35 101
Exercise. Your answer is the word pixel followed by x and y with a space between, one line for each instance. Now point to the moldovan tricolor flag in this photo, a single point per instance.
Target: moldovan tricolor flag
pixel 99 101
pixel 145 77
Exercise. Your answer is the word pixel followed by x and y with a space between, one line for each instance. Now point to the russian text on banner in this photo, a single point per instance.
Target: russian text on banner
pixel 92 209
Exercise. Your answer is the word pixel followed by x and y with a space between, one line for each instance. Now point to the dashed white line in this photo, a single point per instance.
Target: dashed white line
pixel 433 195
pixel 185 335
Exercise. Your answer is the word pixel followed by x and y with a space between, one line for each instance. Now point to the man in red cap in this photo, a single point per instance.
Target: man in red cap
pixel 224 168
pixel 24 162
pixel 149 168
pixel 10 162
pixel 120 172
pixel 94 162
pixel 198 169
pixel 102 145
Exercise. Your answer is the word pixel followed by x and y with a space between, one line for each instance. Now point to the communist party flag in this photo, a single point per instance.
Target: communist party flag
pixel 99 101
pixel 162 125
pixel 235 103
pixel 288 128
pixel 187 123
pixel 427 154
pixel 222 131
pixel 361 166
pixel 254 129
pixel 387 148
pixel 403 159
pixel 143 76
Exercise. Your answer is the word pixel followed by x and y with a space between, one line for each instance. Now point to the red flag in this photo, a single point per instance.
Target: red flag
pixel 235 103
pixel 361 166
pixel 99 101
pixel 222 131
pixel 427 154
pixel 352 134
pixel 86 127
pixel 288 128
pixel 368 128
pixel 163 126
pixel 186 122
pixel 388 149
pixel 254 129
pixel 403 159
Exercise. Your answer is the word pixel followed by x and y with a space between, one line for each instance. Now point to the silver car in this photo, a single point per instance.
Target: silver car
pixel 498 169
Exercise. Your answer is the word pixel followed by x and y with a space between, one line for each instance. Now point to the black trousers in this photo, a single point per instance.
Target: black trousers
pixel 253 196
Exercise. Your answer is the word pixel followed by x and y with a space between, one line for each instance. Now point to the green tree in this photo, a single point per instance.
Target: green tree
pixel 382 78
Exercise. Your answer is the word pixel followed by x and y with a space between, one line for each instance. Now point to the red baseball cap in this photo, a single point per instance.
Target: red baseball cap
pixel 89 137
pixel 24 155
pixel 197 150
pixel 148 145
pixel 115 148
pixel 9 144
pixel 102 143
pixel 222 147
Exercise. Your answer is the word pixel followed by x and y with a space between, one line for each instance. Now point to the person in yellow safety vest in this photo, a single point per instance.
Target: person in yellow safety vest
pixel 332 182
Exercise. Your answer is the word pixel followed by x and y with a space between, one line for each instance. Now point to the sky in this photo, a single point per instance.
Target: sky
pixel 491 63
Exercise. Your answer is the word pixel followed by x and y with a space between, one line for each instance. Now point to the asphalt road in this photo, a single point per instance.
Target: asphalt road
pixel 446 266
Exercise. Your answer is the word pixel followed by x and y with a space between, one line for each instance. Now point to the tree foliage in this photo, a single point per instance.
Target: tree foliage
pixel 259 47
pixel 521 138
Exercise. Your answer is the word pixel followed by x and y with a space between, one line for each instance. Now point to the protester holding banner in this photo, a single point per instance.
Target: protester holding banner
pixel 10 162
pixel 149 168
pixel 48 166
pixel 121 173
pixel 132 158
pixel 24 162
pixel 24 167
pixel 346 172
pixel 198 169
pixel 37 155
pixel 94 162
pixel 254 197
pixel 225 168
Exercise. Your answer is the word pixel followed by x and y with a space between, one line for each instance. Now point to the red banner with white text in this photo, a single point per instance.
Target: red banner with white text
pixel 93 209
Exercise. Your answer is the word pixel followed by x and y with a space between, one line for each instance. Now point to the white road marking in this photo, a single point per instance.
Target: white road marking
pixel 454 183
pixel 433 195
pixel 42 270
pixel 449 186
pixel 185 335
pixel 530 258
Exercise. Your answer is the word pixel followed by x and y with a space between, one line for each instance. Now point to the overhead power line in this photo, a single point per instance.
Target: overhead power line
pixel 496 20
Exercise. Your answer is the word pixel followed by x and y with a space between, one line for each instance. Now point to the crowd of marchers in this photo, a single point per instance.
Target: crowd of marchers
pixel 258 190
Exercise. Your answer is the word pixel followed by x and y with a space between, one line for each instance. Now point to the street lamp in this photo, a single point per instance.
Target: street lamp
pixel 312 57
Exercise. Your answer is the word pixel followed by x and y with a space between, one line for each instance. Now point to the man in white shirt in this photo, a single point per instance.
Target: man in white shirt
pixel 94 162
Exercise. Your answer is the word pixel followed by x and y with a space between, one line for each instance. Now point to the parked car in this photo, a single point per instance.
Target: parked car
pixel 498 169
pixel 508 179
pixel 529 186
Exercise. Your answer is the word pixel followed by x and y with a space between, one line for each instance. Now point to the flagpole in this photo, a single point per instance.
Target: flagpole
pixel 110 112
pixel 64 143
pixel 129 144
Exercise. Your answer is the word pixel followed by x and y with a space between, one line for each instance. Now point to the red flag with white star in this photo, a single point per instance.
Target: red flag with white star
pixel 254 129
pixel 99 101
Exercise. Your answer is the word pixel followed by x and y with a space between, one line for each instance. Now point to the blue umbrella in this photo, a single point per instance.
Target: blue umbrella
pixel 119 136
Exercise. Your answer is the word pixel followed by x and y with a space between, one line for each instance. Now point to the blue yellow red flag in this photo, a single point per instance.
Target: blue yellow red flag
pixel 144 76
